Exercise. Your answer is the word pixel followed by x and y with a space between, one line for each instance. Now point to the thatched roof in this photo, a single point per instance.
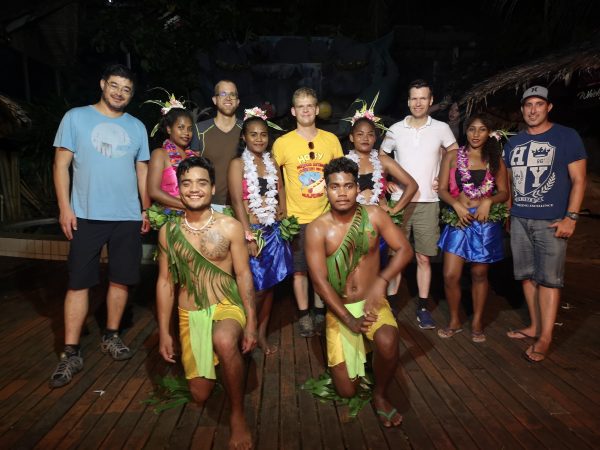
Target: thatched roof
pixel 554 67
pixel 12 116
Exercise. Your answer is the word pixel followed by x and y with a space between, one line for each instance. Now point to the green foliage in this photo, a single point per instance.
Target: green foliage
pixel 170 392
pixel 323 389
pixel 158 215
pixel 399 216
pixel 498 213
pixel 289 228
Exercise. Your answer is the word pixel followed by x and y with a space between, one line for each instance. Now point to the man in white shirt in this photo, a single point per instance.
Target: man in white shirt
pixel 417 143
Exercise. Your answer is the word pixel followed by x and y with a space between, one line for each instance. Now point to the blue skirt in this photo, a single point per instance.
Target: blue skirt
pixel 274 263
pixel 479 242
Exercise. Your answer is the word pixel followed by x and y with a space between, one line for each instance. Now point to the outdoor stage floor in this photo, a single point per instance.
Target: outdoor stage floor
pixel 453 393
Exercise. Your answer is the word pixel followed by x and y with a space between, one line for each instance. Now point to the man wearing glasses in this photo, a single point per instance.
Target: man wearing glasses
pixel 108 152
pixel 218 139
pixel 302 155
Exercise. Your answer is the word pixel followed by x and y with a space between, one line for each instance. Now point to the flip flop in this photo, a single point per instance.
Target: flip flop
pixel 388 416
pixel 533 352
pixel 478 336
pixel 446 333
pixel 520 334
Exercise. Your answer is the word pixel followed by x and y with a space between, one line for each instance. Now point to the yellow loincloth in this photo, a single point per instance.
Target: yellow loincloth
pixel 195 334
pixel 343 345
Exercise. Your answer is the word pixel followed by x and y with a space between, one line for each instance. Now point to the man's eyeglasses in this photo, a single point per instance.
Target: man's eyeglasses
pixel 224 94
pixel 126 90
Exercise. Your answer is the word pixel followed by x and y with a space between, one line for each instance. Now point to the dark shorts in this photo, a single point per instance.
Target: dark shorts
pixel 300 264
pixel 124 244
pixel 538 255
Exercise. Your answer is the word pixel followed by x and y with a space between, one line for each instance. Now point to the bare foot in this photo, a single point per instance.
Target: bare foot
pixel 267 349
pixel 525 333
pixel 241 438
pixel 386 413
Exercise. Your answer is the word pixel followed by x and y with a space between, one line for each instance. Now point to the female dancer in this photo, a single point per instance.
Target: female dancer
pixel 373 168
pixel 472 179
pixel 258 200
pixel 177 123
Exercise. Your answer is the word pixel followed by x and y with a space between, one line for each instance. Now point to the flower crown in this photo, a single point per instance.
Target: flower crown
pixel 262 114
pixel 501 134
pixel 165 106
pixel 368 113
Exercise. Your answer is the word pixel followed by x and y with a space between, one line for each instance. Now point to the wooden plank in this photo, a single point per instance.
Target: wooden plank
pixel 289 420
pixel 93 415
pixel 330 426
pixel 309 435
pixel 49 411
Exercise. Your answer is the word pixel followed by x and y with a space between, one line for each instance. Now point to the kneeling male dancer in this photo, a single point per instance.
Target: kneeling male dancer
pixel 342 250
pixel 205 254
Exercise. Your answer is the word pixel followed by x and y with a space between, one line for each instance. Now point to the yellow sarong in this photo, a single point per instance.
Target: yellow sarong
pixel 195 334
pixel 343 345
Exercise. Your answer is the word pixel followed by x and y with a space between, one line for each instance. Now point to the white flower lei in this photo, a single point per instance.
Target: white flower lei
pixel 265 211
pixel 376 176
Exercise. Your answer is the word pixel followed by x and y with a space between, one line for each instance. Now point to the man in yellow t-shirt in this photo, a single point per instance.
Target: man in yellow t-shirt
pixel 302 154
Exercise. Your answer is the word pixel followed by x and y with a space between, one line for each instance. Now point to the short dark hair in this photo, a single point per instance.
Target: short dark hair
pixel 418 84
pixel 171 117
pixel 196 161
pixel 360 120
pixel 119 70
pixel 342 164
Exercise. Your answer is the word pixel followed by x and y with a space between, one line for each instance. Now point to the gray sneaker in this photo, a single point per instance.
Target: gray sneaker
pixel 114 345
pixel 305 325
pixel 319 323
pixel 68 366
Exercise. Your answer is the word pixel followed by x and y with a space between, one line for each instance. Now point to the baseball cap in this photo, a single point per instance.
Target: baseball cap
pixel 535 91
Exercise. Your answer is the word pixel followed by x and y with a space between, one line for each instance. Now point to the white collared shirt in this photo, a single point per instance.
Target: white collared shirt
pixel 419 152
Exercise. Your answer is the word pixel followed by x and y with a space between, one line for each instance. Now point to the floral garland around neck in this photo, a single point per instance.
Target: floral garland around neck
pixel 376 176
pixel 264 210
pixel 174 155
pixel 462 165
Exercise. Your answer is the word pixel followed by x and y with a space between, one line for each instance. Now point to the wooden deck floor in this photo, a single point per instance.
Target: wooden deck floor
pixel 453 393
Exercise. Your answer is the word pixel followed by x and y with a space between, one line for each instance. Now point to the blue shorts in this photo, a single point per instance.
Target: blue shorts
pixel 537 254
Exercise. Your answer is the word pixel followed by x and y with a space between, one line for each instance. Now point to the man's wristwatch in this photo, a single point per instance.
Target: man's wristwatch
pixel 572 215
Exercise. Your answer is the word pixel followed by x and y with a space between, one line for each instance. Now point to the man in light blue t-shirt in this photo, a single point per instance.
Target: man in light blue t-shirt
pixel 108 152
pixel 547 163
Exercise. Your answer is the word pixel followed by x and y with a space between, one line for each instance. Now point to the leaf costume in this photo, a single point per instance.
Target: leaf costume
pixel 216 296
pixel 353 247
pixel 344 345
pixel 190 269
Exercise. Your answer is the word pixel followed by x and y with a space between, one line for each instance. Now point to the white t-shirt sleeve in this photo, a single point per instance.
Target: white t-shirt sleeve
pixel 389 142
pixel 447 136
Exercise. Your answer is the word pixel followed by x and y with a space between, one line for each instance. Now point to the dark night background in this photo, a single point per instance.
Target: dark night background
pixel 53 52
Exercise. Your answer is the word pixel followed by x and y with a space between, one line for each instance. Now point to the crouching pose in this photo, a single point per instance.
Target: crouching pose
pixel 205 254
pixel 342 250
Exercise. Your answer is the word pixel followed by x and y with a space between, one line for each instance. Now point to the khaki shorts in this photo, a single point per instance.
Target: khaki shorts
pixel 422 221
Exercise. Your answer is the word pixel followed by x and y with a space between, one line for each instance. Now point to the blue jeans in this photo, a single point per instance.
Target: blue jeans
pixel 537 254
